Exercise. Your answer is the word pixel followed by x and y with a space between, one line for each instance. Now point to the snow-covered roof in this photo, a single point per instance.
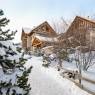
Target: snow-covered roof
pixel 45 38
pixel 27 30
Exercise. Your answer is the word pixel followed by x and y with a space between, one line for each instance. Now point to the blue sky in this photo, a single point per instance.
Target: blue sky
pixel 29 13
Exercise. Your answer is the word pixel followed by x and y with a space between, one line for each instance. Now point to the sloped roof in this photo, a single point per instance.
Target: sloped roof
pixel 77 19
pixel 28 32
pixel 42 25
pixel 86 19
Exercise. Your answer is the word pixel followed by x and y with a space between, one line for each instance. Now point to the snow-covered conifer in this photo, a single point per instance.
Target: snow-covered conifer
pixel 13 74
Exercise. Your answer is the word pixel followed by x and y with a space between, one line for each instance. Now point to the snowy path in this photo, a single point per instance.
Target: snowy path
pixel 47 81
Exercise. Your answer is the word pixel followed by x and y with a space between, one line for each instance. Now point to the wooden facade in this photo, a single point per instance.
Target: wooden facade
pixel 29 40
pixel 79 32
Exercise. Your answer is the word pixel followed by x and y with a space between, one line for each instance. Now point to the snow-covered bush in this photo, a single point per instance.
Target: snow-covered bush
pixel 62 54
pixel 46 61
pixel 13 74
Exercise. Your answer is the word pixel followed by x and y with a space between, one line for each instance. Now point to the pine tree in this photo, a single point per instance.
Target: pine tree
pixel 13 74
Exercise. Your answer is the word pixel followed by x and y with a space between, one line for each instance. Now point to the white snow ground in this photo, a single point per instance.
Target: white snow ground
pixel 47 81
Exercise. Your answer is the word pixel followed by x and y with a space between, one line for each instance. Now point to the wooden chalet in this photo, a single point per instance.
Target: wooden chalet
pixel 80 32
pixel 38 37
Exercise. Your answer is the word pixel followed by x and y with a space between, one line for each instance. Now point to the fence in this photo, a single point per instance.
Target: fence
pixel 75 78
